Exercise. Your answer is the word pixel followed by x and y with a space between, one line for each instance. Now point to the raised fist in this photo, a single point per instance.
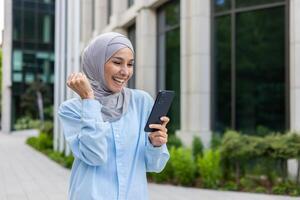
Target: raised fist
pixel 79 83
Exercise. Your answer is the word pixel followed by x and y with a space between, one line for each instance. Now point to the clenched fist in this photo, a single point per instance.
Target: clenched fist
pixel 79 83
pixel 160 136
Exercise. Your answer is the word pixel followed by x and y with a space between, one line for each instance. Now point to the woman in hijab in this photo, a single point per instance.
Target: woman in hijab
pixel 104 127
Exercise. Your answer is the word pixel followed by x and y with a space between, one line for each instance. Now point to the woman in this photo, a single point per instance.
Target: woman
pixel 104 127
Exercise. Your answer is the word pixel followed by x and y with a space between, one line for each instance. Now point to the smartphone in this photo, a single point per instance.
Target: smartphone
pixel 160 108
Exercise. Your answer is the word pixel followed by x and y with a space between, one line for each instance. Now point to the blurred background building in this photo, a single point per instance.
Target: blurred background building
pixel 28 59
pixel 232 63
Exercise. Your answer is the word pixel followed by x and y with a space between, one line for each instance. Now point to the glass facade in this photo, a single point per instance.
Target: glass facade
pixel 32 55
pixel 250 70
pixel 168 68
pixel 132 37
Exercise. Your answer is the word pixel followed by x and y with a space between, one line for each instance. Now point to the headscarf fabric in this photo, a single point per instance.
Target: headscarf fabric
pixel 94 57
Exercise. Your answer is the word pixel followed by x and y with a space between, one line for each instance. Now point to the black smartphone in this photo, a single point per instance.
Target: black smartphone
pixel 160 108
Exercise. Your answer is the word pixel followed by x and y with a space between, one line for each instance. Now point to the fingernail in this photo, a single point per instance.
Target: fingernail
pixel 150 126
pixel 162 118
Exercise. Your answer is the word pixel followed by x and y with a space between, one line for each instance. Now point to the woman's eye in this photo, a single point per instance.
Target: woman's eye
pixel 130 64
pixel 117 63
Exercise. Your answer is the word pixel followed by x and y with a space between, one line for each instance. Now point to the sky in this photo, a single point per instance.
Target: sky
pixel 1 19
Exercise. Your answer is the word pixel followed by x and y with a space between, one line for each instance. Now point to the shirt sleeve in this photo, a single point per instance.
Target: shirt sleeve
pixel 156 157
pixel 85 131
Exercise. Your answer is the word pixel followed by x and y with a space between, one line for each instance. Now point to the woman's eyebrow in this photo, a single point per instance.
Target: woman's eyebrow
pixel 122 58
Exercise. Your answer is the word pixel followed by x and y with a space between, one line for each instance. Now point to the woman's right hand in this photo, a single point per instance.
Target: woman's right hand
pixel 79 83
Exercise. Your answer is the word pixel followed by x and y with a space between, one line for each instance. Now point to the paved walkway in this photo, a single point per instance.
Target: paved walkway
pixel 28 175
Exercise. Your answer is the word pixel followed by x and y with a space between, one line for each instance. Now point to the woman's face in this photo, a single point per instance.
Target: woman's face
pixel 119 69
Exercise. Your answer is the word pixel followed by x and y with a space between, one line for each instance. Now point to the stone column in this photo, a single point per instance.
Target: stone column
pixel 59 70
pixel 67 59
pixel 86 28
pixel 146 48
pixel 6 68
pixel 294 73
pixel 195 71
pixel 100 16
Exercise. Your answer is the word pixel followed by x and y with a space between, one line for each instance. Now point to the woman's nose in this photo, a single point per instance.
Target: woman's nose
pixel 124 71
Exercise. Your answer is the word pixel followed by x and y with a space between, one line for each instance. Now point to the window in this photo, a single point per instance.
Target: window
pixel 32 50
pixel 17 21
pixel 132 38
pixel 109 10
pixel 168 71
pixel 46 28
pixel 29 25
pixel 250 70
pixel 130 3
pixel 17 60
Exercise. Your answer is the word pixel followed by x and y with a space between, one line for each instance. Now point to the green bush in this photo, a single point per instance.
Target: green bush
pixel 286 187
pixel 260 189
pixel 180 169
pixel 197 147
pixel 174 141
pixel 248 184
pixel 69 161
pixel 47 127
pixel 216 141
pixel 183 166
pixel 167 175
pixel 57 156
pixel 32 141
pixel 230 185
pixel 27 123
pixel 210 168
pixel 45 142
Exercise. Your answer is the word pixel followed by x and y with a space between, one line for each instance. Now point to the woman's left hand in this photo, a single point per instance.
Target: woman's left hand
pixel 160 136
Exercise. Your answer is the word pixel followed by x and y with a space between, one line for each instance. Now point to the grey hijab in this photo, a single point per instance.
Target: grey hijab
pixel 94 57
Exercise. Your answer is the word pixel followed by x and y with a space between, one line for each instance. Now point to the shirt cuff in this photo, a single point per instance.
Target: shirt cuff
pixel 91 108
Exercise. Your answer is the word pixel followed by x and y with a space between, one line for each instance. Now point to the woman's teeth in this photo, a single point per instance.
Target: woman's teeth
pixel 121 81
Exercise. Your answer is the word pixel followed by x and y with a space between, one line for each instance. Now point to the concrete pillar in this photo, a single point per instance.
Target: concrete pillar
pixel 100 16
pixel 195 71
pixel 86 28
pixel 146 48
pixel 294 43
pixel 6 68
pixel 67 59
pixel 59 70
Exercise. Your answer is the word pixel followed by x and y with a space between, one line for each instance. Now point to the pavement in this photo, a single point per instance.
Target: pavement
pixel 26 174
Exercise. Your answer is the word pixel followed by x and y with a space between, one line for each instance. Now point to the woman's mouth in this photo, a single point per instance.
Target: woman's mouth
pixel 119 81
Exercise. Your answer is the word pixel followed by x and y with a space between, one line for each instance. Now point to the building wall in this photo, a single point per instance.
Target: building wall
pixel 195 119
pixel 28 59
pixel 195 71
pixel 294 48
pixel 195 55
pixel 6 67
pixel 67 59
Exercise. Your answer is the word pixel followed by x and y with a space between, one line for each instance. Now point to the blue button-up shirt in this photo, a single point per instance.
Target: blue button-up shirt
pixel 111 158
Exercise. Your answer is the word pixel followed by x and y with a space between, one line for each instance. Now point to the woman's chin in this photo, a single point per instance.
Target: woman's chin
pixel 116 89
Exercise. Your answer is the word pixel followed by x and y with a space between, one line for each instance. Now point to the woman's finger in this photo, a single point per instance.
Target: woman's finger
pixel 157 127
pixel 158 141
pixel 165 120
pixel 159 134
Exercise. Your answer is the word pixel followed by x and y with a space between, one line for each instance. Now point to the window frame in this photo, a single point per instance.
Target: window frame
pixel 233 11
